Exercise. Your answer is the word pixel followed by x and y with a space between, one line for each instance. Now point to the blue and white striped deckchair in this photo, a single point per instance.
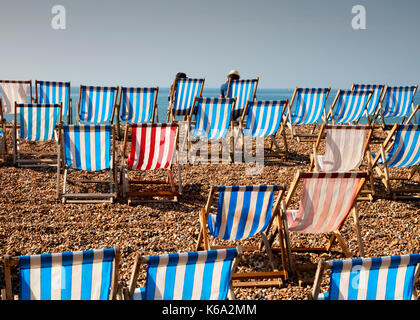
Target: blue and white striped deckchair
pixel 55 92
pixel 80 275
pixel 243 91
pixel 88 147
pixel 213 117
pixel 187 90
pixel 307 106
pixel 263 118
pixel 37 123
pixel 404 153
pixel 377 90
pixel 242 213
pixel 199 275
pixel 397 101
pixel 349 106
pixel 138 105
pixel 377 278
pixel 96 104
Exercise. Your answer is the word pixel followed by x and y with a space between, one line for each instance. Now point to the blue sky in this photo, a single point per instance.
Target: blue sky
pixel 286 43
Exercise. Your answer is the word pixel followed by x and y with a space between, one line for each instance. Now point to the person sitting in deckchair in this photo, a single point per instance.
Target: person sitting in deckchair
pixel 232 75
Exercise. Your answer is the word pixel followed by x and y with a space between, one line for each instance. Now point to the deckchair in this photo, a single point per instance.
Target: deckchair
pixel 325 203
pixel 212 119
pixel 186 91
pixel 396 103
pixel 96 104
pixel 3 142
pixel 55 92
pixel 263 119
pixel 242 213
pixel 401 149
pixel 376 278
pixel 309 109
pixel 346 147
pixel 37 122
pixel 14 91
pixel 199 275
pixel 91 149
pixel 373 105
pixel 137 105
pixel 153 146
pixel 244 91
pixel 79 275
pixel 349 106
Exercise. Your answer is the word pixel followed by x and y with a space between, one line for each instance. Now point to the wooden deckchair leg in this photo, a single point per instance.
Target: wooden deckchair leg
pixel 7 278
pixel 317 281
pixel 203 227
pixel 342 244
pixel 358 232
pixel 268 250
pixel 385 179
pixel 330 242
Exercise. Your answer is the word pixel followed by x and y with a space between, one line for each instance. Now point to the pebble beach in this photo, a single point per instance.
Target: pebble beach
pixel 34 221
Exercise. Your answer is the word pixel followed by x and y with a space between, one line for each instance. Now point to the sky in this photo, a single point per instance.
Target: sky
pixel 286 43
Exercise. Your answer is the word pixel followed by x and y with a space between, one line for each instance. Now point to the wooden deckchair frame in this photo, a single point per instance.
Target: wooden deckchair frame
pixel 336 235
pixel 46 159
pixel 324 265
pixel 148 196
pixel 118 108
pixel 114 103
pixel 385 177
pixel 144 260
pixel 86 197
pixel 380 112
pixel 373 115
pixel 273 142
pixel 333 105
pixel 172 94
pixel 190 122
pixel 69 102
pixel 13 261
pixel 240 279
pixel 366 151
pixel 301 137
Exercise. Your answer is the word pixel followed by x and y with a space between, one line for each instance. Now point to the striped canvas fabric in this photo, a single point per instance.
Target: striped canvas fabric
pixel 344 149
pixel 397 101
pixel 200 275
pixel 81 275
pixel 405 151
pixel 242 212
pixel 376 95
pixel 327 199
pixel 38 121
pixel 87 147
pixel 264 118
pixel 12 92
pixel 187 90
pixel 213 117
pixel 137 104
pixel 152 146
pixel 310 105
pixel 96 103
pixel 350 106
pixel 377 278
pixel 244 91
pixel 54 92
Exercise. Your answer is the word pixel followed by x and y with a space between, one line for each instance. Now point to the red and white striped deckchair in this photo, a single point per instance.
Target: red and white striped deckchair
pixel 153 146
pixel 326 201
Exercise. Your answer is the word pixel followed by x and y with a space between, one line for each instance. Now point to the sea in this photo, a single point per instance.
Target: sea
pixel 262 94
